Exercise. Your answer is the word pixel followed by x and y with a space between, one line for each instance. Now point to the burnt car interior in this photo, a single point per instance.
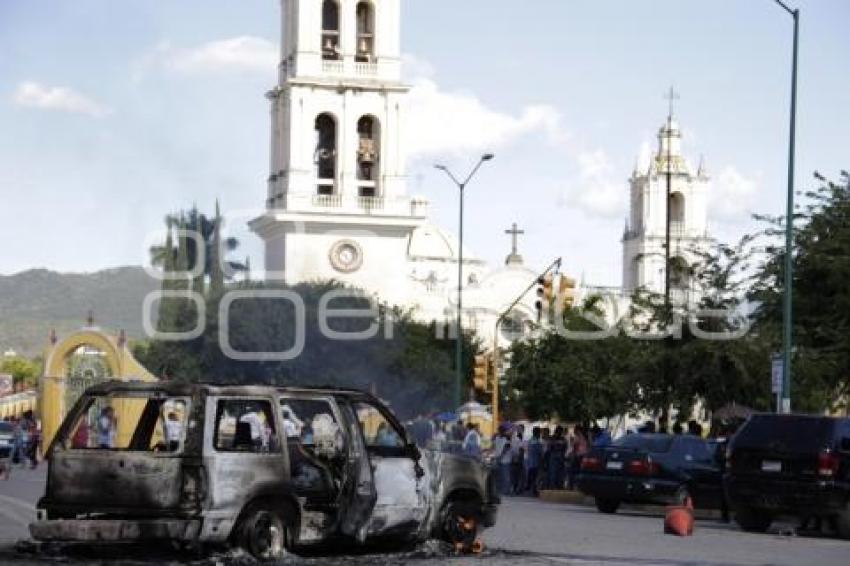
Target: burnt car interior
pixel 245 426
pixel 316 444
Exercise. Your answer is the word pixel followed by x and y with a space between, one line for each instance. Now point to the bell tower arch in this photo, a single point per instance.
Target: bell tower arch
pixel 337 158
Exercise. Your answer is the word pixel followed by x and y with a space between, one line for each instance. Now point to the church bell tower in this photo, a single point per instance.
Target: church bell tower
pixel 644 238
pixel 336 205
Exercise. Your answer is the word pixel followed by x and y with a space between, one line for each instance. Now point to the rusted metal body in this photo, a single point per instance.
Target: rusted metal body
pixel 202 488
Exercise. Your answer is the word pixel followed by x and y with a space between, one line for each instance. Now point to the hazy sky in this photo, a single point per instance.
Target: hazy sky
pixel 115 113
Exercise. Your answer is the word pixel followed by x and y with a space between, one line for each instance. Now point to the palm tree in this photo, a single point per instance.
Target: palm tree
pixel 168 255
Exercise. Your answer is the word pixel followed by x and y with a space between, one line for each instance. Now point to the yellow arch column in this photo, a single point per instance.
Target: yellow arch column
pixel 53 385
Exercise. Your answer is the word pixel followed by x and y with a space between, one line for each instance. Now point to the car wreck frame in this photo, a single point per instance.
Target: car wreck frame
pixel 266 493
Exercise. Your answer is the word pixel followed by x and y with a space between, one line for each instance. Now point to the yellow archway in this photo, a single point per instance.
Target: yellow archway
pixel 53 385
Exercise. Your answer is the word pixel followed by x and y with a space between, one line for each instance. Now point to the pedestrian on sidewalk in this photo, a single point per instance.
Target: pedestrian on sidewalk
pixel 518 451
pixel 534 459
pixel 577 452
pixel 502 460
pixel 557 451
pixel 472 442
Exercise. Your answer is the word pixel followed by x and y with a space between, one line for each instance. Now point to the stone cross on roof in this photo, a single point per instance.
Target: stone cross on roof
pixel 514 258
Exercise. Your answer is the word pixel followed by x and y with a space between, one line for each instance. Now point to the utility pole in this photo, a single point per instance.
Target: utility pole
pixel 672 95
pixel 461 185
pixel 787 302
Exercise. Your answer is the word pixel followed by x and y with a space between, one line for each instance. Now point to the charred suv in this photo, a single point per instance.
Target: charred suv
pixel 268 469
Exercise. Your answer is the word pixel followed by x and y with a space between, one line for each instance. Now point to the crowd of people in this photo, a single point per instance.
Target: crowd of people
pixel 545 459
pixel 26 442
pixel 526 461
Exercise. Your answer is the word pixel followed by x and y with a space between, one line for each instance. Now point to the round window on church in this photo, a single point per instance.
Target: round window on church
pixel 346 256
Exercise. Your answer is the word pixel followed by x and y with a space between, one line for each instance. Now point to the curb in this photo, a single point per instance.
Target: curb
pixel 578 498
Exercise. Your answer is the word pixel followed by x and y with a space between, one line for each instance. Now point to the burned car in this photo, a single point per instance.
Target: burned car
pixel 267 469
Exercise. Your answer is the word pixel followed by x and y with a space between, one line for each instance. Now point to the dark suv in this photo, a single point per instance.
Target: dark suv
pixel 790 465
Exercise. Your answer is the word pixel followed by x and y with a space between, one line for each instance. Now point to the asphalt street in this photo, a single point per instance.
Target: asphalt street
pixel 528 532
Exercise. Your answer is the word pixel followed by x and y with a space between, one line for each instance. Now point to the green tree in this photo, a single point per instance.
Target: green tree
pixel 24 372
pixel 574 380
pixel 821 270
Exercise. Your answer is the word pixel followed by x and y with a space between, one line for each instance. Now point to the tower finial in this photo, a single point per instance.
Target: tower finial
pixel 671 96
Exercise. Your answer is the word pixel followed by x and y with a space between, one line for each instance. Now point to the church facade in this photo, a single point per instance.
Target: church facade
pixel 336 206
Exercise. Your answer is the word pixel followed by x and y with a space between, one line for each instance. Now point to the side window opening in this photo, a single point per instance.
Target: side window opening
pixel 245 425
pixel 316 444
pixel 380 435
pixel 313 424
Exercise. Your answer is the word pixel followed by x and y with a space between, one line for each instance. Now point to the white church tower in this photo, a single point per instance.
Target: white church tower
pixel 337 205
pixel 645 233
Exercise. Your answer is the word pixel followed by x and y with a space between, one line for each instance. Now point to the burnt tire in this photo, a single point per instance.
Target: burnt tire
pixel 461 524
pixel 753 520
pixel 607 506
pixel 263 532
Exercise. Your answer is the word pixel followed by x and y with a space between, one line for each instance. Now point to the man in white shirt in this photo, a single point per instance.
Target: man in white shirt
pixel 253 419
pixel 472 442
pixel 173 431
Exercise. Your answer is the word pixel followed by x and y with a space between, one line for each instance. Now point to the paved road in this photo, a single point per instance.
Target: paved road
pixel 528 532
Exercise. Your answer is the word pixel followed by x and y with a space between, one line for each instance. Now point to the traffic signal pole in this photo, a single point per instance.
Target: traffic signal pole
pixel 497 359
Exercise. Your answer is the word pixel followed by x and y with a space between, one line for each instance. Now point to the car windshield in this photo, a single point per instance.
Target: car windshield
pixel 792 433
pixel 648 442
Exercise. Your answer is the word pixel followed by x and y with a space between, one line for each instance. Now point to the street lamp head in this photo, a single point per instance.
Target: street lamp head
pixel 487 157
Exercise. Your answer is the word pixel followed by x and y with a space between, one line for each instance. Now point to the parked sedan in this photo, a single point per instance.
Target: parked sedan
pixel 7 440
pixel 653 469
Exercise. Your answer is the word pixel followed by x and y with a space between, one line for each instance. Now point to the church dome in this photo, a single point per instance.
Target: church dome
pixel 432 242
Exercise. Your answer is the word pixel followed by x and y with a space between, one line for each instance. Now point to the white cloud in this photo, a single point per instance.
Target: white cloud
pixel 732 196
pixel 454 122
pixel 31 94
pixel 242 53
pixel 596 190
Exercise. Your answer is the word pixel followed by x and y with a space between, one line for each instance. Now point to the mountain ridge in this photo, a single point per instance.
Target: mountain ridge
pixel 34 301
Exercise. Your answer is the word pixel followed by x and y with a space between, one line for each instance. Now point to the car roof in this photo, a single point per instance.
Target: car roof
pixel 189 389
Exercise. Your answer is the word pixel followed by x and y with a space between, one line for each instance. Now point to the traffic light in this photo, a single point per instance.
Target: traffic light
pixel 481 373
pixel 567 292
pixel 544 294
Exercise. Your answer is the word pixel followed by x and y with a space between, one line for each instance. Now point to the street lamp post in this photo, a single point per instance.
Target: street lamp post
pixel 459 343
pixel 787 303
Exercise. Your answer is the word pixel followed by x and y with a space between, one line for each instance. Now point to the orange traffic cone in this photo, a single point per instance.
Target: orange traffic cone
pixel 680 519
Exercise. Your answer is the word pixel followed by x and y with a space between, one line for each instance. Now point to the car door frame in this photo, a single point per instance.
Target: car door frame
pixel 408 450
pixel 233 485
